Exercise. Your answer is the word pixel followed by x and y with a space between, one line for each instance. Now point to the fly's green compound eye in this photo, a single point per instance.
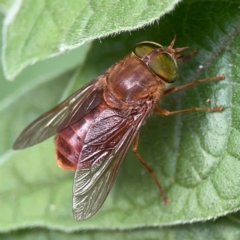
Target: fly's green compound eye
pixel 165 67
pixel 142 48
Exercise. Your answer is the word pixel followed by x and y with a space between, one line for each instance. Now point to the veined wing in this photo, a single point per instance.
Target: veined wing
pixel 61 116
pixel 105 148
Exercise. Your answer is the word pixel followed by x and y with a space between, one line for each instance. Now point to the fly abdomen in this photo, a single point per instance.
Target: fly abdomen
pixel 70 141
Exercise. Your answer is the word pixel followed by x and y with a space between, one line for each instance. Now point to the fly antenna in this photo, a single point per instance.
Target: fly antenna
pixel 176 50
pixel 172 43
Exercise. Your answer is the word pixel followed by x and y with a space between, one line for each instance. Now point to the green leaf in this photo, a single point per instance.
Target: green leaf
pixel 226 228
pixel 36 29
pixel 195 155
pixel 5 5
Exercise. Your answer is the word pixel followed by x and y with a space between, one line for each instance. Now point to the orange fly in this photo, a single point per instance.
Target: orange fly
pixel 96 125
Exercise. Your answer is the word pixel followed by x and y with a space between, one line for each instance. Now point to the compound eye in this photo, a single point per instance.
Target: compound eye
pixel 165 67
pixel 143 48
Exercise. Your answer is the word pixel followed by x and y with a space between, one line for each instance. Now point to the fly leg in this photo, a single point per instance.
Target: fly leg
pixel 139 157
pixel 193 109
pixel 168 113
pixel 174 89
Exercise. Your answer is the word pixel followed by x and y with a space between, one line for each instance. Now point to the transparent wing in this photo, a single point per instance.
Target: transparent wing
pixel 61 116
pixel 92 184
